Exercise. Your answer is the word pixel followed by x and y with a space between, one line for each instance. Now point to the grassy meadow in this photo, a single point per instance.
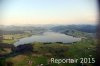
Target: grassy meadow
pixel 42 53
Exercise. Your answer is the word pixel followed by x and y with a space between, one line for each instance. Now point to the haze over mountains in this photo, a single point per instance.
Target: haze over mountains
pixel 40 29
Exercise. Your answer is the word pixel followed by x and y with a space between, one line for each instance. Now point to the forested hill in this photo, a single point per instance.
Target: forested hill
pixel 76 30
pixel 83 28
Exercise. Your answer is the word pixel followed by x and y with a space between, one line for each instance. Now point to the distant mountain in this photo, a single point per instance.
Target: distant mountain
pixel 82 28
pixel 76 30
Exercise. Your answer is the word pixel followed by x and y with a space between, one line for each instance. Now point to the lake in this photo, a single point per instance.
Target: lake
pixel 48 37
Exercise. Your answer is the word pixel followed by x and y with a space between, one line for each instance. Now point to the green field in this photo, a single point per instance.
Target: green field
pixel 10 39
pixel 43 52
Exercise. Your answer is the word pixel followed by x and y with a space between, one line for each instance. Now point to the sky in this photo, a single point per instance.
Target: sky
pixel 20 12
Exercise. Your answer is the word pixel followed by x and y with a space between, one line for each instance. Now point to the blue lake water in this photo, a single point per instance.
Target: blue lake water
pixel 48 37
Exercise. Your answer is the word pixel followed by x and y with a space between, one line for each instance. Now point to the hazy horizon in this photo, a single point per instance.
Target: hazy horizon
pixel 23 12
